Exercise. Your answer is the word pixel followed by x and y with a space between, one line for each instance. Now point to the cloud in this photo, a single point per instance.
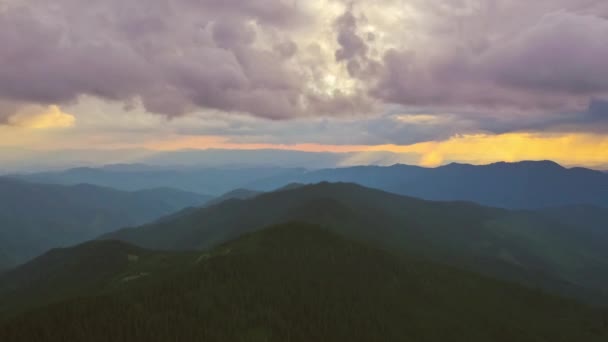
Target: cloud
pixel 476 66
pixel 563 54
pixel 37 117
pixel 174 57
pixel 555 62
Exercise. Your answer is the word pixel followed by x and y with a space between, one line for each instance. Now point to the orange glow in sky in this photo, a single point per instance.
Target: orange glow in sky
pixel 568 149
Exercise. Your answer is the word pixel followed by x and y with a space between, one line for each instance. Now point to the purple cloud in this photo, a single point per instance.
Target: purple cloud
pixel 564 53
pixel 175 57
pixel 509 66
pixel 484 61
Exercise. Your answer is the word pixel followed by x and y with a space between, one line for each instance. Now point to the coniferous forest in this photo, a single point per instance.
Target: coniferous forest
pixel 300 282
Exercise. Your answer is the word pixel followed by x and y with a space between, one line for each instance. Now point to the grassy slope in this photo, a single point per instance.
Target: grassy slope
pixel 298 282
pixel 522 246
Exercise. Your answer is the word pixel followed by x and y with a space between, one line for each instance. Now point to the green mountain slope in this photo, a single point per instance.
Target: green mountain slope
pixel 37 217
pixel 298 282
pixel 521 246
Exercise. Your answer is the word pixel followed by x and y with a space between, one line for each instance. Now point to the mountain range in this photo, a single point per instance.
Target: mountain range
pixel 534 248
pixel 523 185
pixel 502 252
pixel 293 282
pixel 36 217
pixel 215 181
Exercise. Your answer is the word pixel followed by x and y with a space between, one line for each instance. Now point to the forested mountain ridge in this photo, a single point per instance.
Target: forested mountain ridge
pixel 298 282
pixel 523 246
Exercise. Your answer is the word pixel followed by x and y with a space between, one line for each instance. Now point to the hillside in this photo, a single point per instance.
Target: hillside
pixel 37 217
pixel 298 282
pixel 522 246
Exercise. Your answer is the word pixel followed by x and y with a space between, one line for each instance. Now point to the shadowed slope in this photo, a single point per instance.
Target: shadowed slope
pixel 298 282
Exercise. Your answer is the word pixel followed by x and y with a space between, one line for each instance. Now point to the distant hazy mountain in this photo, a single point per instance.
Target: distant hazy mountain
pixel 528 247
pixel 524 185
pixel 293 282
pixel 205 181
pixel 37 217
pixel 23 160
pixel 223 158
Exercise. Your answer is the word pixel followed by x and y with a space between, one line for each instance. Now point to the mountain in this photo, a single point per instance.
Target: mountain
pixel 15 159
pixel 205 181
pixel 260 158
pixel 523 246
pixel 298 282
pixel 523 185
pixel 37 217
pixel 234 194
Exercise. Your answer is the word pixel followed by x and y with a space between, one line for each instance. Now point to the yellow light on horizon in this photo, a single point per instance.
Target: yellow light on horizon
pixel 580 149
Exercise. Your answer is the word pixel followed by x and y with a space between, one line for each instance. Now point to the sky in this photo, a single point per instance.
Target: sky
pixel 428 81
